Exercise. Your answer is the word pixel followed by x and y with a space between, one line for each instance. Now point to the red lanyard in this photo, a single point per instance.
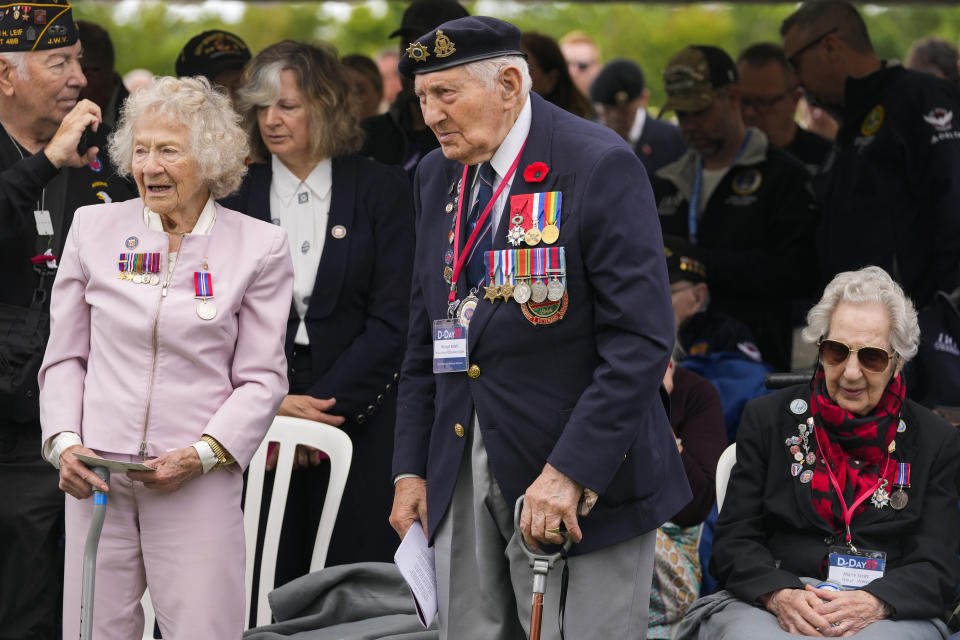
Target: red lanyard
pixel 460 257
pixel 848 512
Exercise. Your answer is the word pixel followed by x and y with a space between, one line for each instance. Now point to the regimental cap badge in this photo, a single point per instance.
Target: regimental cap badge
pixel 442 46
pixel 417 52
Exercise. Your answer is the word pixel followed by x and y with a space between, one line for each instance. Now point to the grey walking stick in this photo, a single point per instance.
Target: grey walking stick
pixel 90 555
pixel 541 564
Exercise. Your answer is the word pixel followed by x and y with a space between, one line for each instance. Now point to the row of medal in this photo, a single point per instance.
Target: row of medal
pixel 535 218
pixel 140 268
pixel 799 447
pixel 144 268
pixel 526 275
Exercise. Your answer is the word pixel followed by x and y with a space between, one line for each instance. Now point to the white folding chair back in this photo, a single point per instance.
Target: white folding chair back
pixel 724 466
pixel 288 432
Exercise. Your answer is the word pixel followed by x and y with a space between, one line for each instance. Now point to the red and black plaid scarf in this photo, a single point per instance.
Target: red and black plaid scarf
pixel 844 437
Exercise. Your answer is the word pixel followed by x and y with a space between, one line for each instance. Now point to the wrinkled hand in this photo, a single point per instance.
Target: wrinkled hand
pixel 409 505
pixel 173 469
pixel 305 456
pixel 310 408
pixel 851 610
pixel 76 477
pixel 796 611
pixel 62 148
pixel 551 499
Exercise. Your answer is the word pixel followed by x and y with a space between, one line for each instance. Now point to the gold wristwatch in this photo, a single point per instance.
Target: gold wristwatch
pixel 223 456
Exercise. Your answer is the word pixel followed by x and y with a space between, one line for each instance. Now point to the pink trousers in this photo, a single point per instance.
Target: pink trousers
pixel 186 546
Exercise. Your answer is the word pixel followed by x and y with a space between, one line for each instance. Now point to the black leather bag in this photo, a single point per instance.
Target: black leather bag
pixel 23 338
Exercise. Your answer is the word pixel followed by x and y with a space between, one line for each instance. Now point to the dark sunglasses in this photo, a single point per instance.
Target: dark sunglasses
pixel 796 54
pixel 834 352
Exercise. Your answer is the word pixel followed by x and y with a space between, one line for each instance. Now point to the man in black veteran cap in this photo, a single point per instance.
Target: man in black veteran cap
pixel 43 179
pixel 620 95
pixel 746 203
pixel 540 330
pixel 217 55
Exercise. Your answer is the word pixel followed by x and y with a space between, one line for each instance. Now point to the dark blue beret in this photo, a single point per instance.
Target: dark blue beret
pixel 458 42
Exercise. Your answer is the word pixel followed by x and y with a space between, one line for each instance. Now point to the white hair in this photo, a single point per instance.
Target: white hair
pixel 213 129
pixel 866 286
pixel 17 60
pixel 488 71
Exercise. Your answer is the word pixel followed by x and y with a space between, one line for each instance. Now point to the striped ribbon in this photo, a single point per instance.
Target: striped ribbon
pixel 203 284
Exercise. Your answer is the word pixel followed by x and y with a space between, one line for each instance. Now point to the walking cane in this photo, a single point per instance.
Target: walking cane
pixel 541 564
pixel 90 555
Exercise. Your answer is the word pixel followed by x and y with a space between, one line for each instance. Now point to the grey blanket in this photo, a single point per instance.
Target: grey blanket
pixel 363 601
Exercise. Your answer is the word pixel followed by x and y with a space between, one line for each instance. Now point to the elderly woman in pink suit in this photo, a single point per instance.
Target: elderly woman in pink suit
pixel 168 320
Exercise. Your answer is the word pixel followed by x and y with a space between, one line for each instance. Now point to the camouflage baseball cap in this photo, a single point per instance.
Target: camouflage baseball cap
pixel 692 75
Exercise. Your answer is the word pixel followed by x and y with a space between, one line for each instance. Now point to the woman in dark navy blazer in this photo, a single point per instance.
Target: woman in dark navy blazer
pixel 351 226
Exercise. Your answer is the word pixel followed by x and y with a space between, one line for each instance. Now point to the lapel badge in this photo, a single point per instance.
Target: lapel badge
pixel 747 182
pixel 874 120
pixel 131 242
pixel 417 52
pixel 798 407
pixel 443 46
pixel 338 231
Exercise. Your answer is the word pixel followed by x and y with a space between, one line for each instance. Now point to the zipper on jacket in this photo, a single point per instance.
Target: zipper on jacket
pixel 156 346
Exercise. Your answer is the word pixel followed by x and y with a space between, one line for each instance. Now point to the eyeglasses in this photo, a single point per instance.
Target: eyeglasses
pixel 834 352
pixel 796 54
pixel 764 104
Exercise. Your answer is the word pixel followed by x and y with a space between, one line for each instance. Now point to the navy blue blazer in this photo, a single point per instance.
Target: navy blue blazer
pixel 660 144
pixel 357 316
pixel 582 393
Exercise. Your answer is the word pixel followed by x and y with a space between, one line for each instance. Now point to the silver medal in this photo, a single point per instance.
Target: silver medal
pixel 554 290
pixel 899 499
pixel 154 279
pixel 138 278
pixel 521 292
pixel 538 291
pixel 467 308
pixel 206 310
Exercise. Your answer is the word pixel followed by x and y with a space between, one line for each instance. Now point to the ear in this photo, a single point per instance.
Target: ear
pixel 644 98
pixel 700 292
pixel 7 76
pixel 511 82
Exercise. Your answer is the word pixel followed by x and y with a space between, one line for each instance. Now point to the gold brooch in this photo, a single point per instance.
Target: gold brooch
pixel 443 46
pixel 417 52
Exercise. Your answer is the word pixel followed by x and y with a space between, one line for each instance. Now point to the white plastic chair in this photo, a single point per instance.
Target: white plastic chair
pixel 288 433
pixel 727 459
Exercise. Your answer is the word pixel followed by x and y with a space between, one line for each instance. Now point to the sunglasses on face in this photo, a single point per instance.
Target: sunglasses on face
pixel 834 352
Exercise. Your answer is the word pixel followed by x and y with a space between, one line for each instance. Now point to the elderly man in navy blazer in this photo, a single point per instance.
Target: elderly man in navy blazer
pixel 540 330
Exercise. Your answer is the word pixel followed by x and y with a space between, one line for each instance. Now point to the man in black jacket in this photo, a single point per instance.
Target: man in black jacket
pixel 620 95
pixel 745 202
pixel 43 179
pixel 889 190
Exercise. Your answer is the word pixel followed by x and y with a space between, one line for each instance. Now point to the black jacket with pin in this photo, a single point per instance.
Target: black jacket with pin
pixel 768 534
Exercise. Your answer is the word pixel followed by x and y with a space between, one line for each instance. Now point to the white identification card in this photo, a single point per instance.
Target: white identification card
pixel 855 569
pixel 44 222
pixel 449 346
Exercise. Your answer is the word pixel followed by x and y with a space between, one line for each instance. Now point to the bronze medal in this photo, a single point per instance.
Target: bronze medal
pixel 532 237
pixel 506 292
pixel 550 233
pixel 899 499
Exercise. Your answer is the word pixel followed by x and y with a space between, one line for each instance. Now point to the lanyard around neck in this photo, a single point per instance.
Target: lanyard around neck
pixel 460 257
pixel 693 210
pixel 848 512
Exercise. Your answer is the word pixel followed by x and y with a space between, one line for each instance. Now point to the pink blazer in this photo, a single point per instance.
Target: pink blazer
pixel 129 364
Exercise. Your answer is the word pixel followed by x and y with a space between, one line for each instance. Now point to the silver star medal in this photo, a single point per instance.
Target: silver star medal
pixel 880 497
pixel 515 234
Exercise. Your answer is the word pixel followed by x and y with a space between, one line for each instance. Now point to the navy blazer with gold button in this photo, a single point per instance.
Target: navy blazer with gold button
pixel 581 393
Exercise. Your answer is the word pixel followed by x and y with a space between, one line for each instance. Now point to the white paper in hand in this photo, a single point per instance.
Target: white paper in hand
pixel 416 564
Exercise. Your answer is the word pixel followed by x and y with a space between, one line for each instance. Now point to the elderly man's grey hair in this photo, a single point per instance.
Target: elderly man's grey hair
pixel 487 71
pixel 17 60
pixel 866 286
pixel 213 129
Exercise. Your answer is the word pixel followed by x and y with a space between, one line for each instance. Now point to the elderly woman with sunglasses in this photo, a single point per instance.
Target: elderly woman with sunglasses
pixel 841 513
